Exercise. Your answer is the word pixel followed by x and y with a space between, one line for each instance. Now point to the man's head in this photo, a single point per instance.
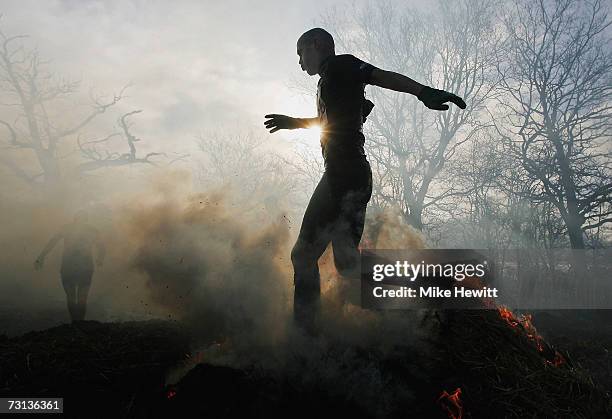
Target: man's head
pixel 313 47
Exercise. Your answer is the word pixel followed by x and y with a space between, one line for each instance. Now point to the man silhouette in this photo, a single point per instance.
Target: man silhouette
pixel 336 211
pixel 77 261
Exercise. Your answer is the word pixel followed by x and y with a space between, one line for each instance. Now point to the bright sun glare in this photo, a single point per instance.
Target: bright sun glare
pixel 312 134
pixel 300 107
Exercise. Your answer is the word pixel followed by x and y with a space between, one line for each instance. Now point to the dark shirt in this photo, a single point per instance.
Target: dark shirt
pixel 342 107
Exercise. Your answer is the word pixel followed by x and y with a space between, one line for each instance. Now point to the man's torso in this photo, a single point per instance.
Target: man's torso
pixel 340 106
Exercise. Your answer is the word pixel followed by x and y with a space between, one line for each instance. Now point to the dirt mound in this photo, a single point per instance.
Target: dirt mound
pixel 100 369
pixel 480 364
pixel 474 364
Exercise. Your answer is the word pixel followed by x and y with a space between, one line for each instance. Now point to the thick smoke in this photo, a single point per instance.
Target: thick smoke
pixel 206 263
pixel 226 274
pixel 170 253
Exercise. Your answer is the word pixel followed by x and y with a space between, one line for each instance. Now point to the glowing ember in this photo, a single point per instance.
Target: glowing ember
pixel 452 404
pixel 170 394
pixel 508 316
pixel 557 360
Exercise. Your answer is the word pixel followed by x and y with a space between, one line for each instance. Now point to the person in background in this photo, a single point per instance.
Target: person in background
pixel 77 266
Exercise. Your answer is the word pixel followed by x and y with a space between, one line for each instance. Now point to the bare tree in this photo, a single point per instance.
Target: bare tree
pixel 496 212
pixel 557 109
pixel 98 158
pixel 239 164
pixel 408 144
pixel 32 97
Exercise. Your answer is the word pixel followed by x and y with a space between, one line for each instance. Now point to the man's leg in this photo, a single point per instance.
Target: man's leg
pixel 353 190
pixel 81 296
pixel 71 296
pixel 346 237
pixel 315 235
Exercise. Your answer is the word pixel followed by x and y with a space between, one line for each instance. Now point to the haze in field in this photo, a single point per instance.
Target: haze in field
pixel 149 115
pixel 195 71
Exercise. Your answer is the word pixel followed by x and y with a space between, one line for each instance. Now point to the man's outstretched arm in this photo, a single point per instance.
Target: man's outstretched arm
pixel 277 122
pixel 40 260
pixel 432 98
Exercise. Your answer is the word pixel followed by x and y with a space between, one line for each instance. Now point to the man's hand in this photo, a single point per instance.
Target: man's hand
pixel 38 263
pixel 435 99
pixel 277 122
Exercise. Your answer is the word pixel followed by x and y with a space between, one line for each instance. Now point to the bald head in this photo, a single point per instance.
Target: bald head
pixel 319 37
pixel 313 47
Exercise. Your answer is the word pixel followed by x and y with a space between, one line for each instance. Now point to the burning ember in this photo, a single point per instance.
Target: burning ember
pixel 452 404
pixel 170 394
pixel 523 322
pixel 557 360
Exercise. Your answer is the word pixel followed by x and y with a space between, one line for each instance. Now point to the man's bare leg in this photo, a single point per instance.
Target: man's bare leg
pixel 71 299
pixel 81 301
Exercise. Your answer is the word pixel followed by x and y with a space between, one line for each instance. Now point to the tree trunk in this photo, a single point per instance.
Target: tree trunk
pixel 574 230
pixel 415 217
pixel 573 220
pixel 49 165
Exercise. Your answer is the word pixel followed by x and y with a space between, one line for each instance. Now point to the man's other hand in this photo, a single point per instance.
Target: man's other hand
pixel 277 122
pixel 435 99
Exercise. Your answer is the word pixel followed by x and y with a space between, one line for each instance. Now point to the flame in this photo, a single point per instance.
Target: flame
pixel 524 322
pixel 452 404
pixel 508 316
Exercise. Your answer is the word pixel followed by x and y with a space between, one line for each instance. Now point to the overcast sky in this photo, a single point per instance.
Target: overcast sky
pixel 193 65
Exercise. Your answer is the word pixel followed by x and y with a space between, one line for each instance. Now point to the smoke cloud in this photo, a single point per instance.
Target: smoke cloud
pixel 210 265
